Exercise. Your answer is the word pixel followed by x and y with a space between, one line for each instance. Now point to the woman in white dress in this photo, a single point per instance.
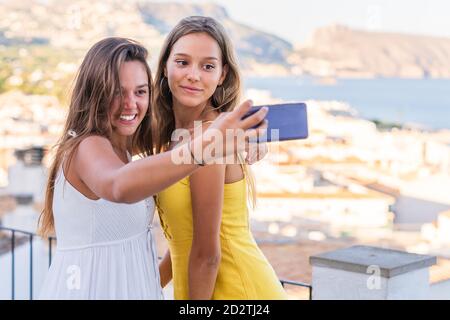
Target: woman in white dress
pixel 98 202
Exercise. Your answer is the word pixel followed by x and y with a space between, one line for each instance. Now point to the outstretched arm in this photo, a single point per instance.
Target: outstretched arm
pixel 98 166
pixel 101 170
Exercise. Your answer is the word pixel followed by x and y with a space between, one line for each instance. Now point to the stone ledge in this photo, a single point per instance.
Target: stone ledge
pixel 358 258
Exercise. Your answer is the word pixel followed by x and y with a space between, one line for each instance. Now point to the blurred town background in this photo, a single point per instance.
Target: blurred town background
pixel 375 169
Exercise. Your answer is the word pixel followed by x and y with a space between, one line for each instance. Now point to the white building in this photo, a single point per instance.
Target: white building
pixel 422 200
pixel 341 209
pixel 305 198
pixel 27 176
pixel 438 232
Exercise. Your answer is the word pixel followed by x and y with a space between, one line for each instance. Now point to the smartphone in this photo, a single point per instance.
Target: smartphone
pixel 289 120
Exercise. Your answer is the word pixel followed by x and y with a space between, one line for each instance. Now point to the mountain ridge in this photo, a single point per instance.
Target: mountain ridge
pixel 334 51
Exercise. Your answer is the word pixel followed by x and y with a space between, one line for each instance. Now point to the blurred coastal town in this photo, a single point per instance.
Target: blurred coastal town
pixel 353 181
pixel 349 182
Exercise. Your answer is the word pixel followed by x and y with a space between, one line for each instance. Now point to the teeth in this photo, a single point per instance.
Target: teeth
pixel 127 118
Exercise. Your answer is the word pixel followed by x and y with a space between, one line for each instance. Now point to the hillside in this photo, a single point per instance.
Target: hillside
pixel 70 27
pixel 343 52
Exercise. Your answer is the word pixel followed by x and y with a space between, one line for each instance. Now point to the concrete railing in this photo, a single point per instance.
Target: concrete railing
pixel 364 273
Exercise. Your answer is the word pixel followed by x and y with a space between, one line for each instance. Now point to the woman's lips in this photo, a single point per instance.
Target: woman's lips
pixel 128 122
pixel 191 89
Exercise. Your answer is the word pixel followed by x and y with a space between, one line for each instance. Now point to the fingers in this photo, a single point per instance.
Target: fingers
pixel 263 150
pixel 255 119
pixel 252 153
pixel 242 109
pixel 262 128
pixel 258 133
pixel 255 152
pixel 252 120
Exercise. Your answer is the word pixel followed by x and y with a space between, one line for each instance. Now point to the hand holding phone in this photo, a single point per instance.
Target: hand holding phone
pixel 288 119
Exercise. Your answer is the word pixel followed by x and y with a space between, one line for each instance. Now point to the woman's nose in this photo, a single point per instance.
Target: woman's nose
pixel 193 74
pixel 129 101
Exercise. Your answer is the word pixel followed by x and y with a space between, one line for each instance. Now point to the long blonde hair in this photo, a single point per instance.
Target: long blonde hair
pixel 225 97
pixel 96 82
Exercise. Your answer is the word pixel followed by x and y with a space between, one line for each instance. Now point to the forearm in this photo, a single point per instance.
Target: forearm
pixel 146 177
pixel 202 276
pixel 165 269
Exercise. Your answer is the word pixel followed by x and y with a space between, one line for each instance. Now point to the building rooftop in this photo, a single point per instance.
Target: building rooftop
pixel 359 258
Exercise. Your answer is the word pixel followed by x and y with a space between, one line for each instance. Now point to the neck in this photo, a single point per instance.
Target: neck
pixel 185 116
pixel 120 145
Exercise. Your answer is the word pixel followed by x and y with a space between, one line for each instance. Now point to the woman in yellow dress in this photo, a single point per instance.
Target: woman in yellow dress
pixel 212 253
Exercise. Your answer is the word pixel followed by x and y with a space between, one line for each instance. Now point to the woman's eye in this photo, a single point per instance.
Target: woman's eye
pixel 142 92
pixel 209 67
pixel 181 62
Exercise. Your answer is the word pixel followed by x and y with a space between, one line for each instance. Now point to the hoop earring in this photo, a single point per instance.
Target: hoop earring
pixel 161 84
pixel 218 94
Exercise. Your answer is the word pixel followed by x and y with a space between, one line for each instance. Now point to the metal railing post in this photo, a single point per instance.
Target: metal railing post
pixel 13 285
pixel 31 267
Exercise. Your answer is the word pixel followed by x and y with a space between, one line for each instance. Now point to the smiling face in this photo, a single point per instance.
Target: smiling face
pixel 194 69
pixel 135 92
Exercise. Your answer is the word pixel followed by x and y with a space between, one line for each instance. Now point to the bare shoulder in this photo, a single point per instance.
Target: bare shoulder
pixel 93 143
pixel 87 146
pixel 207 186
pixel 208 172
pixel 212 173
pixel 84 164
pixel 95 153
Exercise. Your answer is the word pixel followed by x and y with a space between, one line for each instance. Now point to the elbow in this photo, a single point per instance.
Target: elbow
pixel 210 258
pixel 119 194
pixel 212 261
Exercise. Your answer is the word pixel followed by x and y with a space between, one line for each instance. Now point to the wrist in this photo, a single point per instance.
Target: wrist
pixel 195 149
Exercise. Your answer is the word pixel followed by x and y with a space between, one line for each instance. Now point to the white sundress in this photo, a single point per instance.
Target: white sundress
pixel 105 250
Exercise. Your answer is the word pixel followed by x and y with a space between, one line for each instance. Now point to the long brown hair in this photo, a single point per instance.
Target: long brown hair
pixel 96 82
pixel 225 97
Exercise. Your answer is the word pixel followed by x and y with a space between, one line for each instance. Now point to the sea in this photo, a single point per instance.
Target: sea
pixel 419 103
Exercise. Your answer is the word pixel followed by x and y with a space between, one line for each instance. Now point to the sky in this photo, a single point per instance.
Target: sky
pixel 295 20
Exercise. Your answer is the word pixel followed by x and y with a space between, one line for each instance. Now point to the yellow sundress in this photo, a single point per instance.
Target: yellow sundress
pixel 244 272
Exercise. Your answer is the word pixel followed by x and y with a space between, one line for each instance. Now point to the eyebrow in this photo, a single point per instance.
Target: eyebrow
pixel 141 86
pixel 186 55
pixel 138 87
